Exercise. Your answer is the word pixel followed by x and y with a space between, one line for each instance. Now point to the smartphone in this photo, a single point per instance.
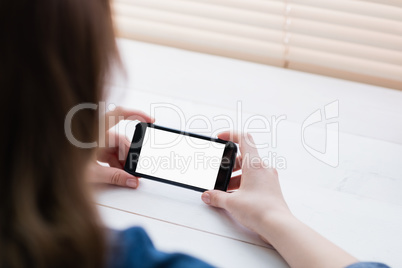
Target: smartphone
pixel 180 158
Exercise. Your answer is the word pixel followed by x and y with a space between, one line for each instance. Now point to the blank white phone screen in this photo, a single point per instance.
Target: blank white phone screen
pixel 180 158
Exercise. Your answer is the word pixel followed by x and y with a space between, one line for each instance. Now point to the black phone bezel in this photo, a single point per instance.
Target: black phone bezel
pixel 224 173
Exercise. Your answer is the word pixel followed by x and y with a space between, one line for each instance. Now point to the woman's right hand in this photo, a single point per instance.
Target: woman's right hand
pixel 259 205
pixel 258 194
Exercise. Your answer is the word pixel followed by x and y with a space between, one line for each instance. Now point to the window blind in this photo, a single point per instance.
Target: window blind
pixel 349 39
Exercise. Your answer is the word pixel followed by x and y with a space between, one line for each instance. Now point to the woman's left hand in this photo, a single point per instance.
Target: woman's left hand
pixel 115 151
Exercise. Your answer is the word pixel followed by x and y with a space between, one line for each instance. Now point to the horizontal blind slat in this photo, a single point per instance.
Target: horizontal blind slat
pixel 245 17
pixel 396 3
pixel 201 41
pixel 265 6
pixel 348 34
pixel 345 19
pixel 201 23
pixel 346 48
pixel 355 65
pixel 356 7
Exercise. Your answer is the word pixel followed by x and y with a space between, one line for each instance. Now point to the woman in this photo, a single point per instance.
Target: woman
pixel 56 54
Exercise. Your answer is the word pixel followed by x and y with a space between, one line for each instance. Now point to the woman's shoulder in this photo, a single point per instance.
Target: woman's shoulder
pixel 133 247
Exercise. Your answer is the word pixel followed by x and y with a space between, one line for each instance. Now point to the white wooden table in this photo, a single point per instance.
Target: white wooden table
pixel 357 204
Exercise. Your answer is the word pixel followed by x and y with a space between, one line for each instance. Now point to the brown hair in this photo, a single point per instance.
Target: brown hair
pixel 54 55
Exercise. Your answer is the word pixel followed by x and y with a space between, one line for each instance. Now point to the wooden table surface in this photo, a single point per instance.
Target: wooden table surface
pixel 356 204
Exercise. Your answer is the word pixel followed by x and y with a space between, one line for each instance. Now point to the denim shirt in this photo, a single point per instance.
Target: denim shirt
pixel 133 248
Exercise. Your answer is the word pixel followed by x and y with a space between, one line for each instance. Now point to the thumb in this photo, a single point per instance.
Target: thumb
pixel 215 198
pixel 118 177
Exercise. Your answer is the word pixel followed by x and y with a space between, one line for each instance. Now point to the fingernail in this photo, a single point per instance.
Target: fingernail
pixel 206 198
pixel 131 183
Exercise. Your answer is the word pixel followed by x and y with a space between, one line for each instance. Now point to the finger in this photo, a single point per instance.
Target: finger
pixel 116 150
pixel 215 198
pixel 109 156
pixel 114 117
pixel 123 152
pixel 245 141
pixel 116 139
pixel 234 183
pixel 116 176
pixel 238 163
pixel 117 145
pixel 123 148
pixel 113 161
